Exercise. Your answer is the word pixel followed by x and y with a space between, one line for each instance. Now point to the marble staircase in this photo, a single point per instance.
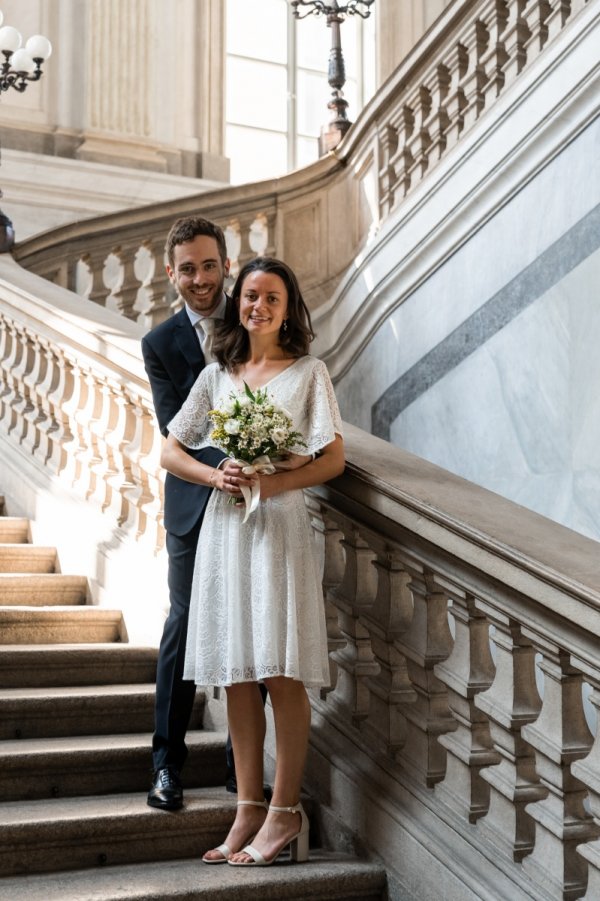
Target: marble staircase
pixel 76 710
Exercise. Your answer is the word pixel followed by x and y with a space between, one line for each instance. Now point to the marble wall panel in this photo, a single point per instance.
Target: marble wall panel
pixel 497 351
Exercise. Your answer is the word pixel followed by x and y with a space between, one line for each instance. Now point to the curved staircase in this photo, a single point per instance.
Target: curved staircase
pixel 76 714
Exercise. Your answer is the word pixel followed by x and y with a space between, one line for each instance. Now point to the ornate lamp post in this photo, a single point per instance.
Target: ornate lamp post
pixel 335 13
pixel 20 66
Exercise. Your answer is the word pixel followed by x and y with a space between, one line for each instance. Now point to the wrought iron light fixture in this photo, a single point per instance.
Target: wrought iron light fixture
pixel 21 65
pixel 335 13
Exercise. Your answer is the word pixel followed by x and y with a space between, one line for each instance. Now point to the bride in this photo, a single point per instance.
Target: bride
pixel 257 610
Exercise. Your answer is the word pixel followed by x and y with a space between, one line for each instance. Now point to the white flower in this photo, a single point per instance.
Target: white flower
pixel 244 400
pixel 279 435
pixel 232 427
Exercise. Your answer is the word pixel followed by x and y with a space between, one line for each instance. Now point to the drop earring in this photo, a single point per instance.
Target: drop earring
pixel 285 325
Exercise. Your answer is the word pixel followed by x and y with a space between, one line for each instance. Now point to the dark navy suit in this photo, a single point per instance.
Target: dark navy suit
pixel 173 360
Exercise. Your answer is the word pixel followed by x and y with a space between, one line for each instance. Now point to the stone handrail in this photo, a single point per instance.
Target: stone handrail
pixel 472 54
pixel 440 597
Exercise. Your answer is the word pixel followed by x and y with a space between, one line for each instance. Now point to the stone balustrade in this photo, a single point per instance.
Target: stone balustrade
pixel 463 629
pixel 470 57
pixel 470 629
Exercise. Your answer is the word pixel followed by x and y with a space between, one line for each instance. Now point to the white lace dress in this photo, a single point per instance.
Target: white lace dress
pixel 257 606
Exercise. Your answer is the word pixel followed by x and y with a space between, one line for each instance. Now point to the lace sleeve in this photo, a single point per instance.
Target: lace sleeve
pixel 191 426
pixel 323 421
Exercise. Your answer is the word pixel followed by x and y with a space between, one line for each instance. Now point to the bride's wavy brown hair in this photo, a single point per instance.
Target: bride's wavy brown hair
pixel 231 345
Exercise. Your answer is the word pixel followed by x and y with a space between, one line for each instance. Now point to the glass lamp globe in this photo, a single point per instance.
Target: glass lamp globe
pixel 10 39
pixel 38 47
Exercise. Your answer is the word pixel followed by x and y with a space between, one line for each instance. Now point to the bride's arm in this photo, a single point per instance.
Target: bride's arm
pixel 327 465
pixel 175 459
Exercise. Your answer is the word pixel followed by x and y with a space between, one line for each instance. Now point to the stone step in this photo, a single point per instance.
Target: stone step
pixel 59 625
pixel 27 558
pixel 38 666
pixel 14 529
pixel 87 710
pixel 94 765
pixel 42 589
pixel 328 876
pixel 65 834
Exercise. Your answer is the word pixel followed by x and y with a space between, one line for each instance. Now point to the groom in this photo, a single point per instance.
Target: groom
pixel 174 354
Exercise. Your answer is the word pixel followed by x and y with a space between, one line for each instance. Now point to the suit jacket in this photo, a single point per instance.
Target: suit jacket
pixel 173 360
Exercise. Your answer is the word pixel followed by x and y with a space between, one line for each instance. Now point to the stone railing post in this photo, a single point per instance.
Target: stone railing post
pixel 467 672
pixel 156 286
pixel 514 37
pixel 355 661
pixel 329 538
pixel 386 620
pixel 427 641
pixel 97 290
pixel 587 771
pixel 510 703
pixel 126 291
pixel 559 737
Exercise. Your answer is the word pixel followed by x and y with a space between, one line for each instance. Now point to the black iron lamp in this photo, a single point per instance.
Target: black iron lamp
pixel 21 65
pixel 335 13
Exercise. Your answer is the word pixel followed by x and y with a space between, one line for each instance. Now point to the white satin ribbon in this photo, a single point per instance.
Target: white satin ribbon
pixel 262 465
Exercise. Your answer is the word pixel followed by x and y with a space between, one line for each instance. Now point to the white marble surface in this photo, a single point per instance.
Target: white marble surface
pixel 521 415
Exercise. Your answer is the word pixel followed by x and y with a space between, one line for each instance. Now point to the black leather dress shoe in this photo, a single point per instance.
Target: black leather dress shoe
pixel 166 792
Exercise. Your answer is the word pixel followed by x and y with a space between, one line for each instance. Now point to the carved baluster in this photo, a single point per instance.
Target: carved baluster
pixel 233 240
pixel 121 433
pixel 560 12
pixel 495 18
pixel 387 145
pixel 457 62
pixel 270 219
pixel 46 386
pixel 476 42
pixel 57 435
pixel 559 736
pixel 426 642
pixel 156 286
pixel 536 15
pixel 386 620
pixel 402 160
pixel 355 661
pixel 6 352
pixel 21 402
pixel 89 455
pixel 34 414
pixel 258 235
pixel 74 448
pixel 510 703
pixel 144 499
pixel 468 671
pixel 420 141
pixel 329 538
pixel 587 771
pixel 103 463
pixel 437 84
pixel 126 291
pixel 97 291
pixel 515 37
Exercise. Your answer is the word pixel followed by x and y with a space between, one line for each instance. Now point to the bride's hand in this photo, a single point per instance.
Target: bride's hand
pixel 293 461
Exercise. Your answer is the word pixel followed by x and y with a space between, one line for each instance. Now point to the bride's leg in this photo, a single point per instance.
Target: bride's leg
pixel 291 712
pixel 246 719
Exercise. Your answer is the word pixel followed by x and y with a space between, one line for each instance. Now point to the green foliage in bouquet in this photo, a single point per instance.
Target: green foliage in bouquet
pixel 253 425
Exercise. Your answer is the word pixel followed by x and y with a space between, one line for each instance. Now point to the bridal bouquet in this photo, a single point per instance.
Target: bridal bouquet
pixel 254 430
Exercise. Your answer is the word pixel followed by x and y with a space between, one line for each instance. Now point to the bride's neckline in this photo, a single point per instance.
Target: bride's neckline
pixel 239 387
